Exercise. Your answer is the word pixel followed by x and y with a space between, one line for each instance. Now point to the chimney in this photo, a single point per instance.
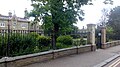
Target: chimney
pixel 10 14
pixel 26 13
pixel 83 27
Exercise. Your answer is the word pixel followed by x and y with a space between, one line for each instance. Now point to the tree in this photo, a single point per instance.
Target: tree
pixel 108 2
pixel 104 17
pixel 105 13
pixel 57 14
pixel 114 21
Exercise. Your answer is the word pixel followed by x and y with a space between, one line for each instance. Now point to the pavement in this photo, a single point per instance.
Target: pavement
pixel 89 59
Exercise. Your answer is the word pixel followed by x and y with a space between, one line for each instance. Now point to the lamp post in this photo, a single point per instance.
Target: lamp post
pixel 99 44
pixel 8 43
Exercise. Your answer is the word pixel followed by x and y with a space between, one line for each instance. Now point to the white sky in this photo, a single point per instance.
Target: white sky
pixel 92 12
pixel 17 5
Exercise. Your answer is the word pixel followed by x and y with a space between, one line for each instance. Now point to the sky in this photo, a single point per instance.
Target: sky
pixel 14 5
pixel 92 12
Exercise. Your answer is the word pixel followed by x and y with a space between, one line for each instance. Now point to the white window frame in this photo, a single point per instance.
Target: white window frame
pixel 14 24
pixel 23 25
pixel 2 24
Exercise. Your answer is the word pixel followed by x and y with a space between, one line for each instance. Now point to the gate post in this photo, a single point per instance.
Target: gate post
pixel 91 36
pixel 103 37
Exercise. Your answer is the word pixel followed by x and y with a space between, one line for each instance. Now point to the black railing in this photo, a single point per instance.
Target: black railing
pixel 17 42
pixel 21 42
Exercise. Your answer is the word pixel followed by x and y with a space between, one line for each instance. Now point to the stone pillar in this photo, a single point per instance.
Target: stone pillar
pixel 91 36
pixel 103 37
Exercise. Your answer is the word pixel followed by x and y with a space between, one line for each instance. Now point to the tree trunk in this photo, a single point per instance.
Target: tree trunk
pixel 54 36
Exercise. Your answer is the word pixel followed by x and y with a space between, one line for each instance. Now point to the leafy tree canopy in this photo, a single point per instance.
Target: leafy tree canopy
pixel 57 14
pixel 114 19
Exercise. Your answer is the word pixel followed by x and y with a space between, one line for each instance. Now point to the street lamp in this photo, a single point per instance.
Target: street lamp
pixel 8 43
pixel 99 36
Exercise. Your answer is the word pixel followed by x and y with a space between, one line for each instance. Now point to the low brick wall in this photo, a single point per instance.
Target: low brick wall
pixel 19 61
pixel 112 43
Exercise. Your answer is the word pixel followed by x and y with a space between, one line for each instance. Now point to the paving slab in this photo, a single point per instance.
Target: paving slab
pixel 89 59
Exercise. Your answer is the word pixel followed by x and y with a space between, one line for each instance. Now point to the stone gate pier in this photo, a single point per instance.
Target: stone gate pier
pixel 91 36
pixel 103 37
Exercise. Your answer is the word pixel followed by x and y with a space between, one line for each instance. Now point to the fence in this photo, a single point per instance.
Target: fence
pixel 21 42
pixel 17 42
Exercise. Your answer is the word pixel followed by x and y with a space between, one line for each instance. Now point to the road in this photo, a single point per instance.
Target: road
pixel 114 63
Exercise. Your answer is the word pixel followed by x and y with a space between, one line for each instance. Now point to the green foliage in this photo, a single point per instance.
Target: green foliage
pixel 75 36
pixel 78 42
pixel 57 14
pixel 109 30
pixel 43 41
pixel 2 47
pixel 82 41
pixel 114 23
pixel 21 44
pixel 66 40
pixel 33 34
pixel 61 45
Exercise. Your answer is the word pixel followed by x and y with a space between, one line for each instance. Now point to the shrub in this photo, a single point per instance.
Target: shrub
pixel 76 42
pixel 3 44
pixel 33 34
pixel 43 41
pixel 22 44
pixel 82 41
pixel 61 45
pixel 75 36
pixel 66 40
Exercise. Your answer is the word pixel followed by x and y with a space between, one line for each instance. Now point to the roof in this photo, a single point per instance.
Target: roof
pixel 13 17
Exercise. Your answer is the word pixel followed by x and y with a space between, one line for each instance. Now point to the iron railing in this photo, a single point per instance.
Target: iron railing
pixel 20 42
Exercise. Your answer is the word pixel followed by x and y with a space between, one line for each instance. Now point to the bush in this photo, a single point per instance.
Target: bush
pixel 78 42
pixel 75 36
pixel 82 41
pixel 33 34
pixel 43 41
pixel 60 46
pixel 22 44
pixel 66 40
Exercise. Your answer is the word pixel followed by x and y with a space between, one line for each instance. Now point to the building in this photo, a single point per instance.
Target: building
pixel 14 22
pixel 83 32
pixel 36 27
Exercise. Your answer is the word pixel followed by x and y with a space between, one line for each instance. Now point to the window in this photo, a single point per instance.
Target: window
pixel 24 25
pixel 14 24
pixel 2 24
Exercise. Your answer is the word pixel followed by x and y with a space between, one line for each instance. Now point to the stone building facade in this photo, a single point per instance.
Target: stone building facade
pixel 14 22
pixel 18 23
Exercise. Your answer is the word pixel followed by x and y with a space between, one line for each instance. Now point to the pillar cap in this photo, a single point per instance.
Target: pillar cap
pixel 91 24
pixel 103 27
